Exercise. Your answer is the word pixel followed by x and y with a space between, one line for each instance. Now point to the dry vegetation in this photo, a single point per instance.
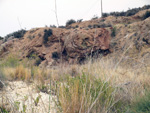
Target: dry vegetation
pixel 116 83
pixel 100 85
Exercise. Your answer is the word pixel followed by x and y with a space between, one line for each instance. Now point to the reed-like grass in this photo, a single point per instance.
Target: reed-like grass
pixel 97 86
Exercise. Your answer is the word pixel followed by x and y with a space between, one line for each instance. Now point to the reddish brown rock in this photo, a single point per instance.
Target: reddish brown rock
pixel 70 46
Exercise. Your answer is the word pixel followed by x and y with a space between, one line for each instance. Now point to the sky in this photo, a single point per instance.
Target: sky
pixel 28 14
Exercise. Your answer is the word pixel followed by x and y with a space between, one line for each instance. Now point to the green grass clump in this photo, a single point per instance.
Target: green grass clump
pixel 141 105
pixel 85 94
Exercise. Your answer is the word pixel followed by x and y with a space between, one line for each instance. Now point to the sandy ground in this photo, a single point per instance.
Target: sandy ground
pixel 26 98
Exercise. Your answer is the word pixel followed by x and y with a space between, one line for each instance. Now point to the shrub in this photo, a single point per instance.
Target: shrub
pixel 146 15
pixel 17 34
pixel 47 33
pixel 84 94
pixel 69 22
pixel 55 55
pixel 131 12
pixel 89 26
pixel 105 14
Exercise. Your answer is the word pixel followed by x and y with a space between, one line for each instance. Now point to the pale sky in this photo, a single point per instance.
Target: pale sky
pixel 27 14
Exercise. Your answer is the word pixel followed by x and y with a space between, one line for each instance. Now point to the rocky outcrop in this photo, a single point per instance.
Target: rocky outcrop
pixel 70 46
pixel 58 45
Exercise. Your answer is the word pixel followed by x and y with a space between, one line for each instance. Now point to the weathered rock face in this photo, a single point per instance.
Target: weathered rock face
pixel 76 42
pixel 61 45
pixel 82 43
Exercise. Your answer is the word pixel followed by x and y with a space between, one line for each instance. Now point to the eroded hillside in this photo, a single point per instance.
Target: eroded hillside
pixel 115 78
pixel 78 41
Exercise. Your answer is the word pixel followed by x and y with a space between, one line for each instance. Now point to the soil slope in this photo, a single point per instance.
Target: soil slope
pixel 75 43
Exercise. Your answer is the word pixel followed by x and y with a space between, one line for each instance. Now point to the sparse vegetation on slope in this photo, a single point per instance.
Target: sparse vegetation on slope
pixel 17 34
pixel 129 12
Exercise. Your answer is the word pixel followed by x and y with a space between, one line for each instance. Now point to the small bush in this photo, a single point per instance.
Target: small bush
pixel 55 55
pixel 146 15
pixel 69 22
pixel 89 26
pixel 17 34
pixel 131 12
pixel 105 14
pixel 47 33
